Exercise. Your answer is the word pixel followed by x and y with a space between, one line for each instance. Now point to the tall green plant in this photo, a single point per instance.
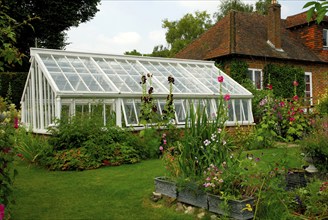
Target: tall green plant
pixel 204 140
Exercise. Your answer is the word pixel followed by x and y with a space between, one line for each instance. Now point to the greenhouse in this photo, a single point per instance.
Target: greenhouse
pixel 63 82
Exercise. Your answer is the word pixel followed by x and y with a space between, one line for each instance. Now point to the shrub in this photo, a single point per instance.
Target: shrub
pixel 8 121
pixel 322 106
pixel 315 144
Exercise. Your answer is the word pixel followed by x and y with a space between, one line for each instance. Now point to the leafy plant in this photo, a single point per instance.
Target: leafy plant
pixel 8 120
pixel 315 144
pixel 30 147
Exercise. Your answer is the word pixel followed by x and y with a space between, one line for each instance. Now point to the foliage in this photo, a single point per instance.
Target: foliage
pixel 93 156
pixel 227 5
pixel 49 29
pixel 262 6
pixel 160 51
pixel 282 77
pixel 168 113
pixel 150 141
pixel 322 106
pixel 30 147
pixel 82 142
pixel 182 32
pixel 315 145
pixel 148 108
pixel 133 52
pixel 8 123
pixel 310 202
pixel 283 120
pixel 13 80
pixel 239 70
pixel 316 10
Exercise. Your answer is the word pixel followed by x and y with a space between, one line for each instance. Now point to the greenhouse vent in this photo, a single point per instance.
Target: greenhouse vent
pixel 68 83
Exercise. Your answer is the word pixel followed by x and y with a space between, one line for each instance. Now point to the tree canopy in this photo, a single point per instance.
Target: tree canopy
pixel 55 17
pixel 182 32
pixel 226 6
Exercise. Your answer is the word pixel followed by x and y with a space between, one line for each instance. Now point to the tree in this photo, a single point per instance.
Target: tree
pixel 227 5
pixel 182 32
pixel 56 17
pixel 317 10
pixel 133 52
pixel 262 6
pixel 160 51
pixel 9 53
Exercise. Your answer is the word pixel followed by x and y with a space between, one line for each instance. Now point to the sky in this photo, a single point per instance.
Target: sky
pixel 123 25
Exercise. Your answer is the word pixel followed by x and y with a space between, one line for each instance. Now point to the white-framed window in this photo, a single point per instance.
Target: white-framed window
pixel 325 37
pixel 256 75
pixel 308 87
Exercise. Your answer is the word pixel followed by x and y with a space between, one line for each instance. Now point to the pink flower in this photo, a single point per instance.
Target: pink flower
pixel 164 141
pixel 2 211
pixel 282 104
pixel 161 148
pixel 269 86
pixel 220 79
pixel 291 119
pixel 227 97
pixel 295 83
pixel 295 98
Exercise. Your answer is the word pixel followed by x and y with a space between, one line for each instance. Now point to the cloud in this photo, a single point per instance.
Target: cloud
pixel 157 36
pixel 122 38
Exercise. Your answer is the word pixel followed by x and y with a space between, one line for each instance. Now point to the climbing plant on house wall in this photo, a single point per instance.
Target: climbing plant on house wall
pixel 282 77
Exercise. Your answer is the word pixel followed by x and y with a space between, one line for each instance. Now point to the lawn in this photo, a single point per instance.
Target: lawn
pixel 107 193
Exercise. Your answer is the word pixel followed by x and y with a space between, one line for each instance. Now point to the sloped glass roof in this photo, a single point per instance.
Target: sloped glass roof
pixel 75 72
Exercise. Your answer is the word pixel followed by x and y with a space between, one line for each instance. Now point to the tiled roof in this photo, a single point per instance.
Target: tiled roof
pixel 245 34
pixel 299 19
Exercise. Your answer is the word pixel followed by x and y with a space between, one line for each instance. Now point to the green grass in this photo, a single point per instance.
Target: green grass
pixel 282 155
pixel 108 193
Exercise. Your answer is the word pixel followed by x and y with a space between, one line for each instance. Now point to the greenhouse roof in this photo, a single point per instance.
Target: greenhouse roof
pixel 90 74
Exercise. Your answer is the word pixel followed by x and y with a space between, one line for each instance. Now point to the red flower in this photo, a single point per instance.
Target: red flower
pixel 20 155
pixel 295 83
pixel 295 98
pixel 16 123
pixel 269 86
pixel 291 119
pixel 220 79
pixel 282 104
pixel 227 97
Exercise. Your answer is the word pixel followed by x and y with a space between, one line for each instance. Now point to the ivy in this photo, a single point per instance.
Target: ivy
pixel 239 70
pixel 282 77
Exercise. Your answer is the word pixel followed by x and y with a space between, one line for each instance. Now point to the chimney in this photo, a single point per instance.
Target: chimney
pixel 274 23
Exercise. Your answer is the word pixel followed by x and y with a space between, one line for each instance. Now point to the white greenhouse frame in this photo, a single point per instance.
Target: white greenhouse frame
pixel 75 81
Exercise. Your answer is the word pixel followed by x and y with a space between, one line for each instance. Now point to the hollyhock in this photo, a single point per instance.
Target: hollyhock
pixel 227 97
pixel 220 79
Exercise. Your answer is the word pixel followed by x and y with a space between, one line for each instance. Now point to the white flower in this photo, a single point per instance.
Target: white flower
pixel 224 142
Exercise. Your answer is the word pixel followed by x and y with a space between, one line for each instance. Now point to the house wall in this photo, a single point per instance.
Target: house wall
pixel 319 72
pixel 312 36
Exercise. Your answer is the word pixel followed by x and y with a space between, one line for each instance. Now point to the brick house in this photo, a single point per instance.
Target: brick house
pixel 260 40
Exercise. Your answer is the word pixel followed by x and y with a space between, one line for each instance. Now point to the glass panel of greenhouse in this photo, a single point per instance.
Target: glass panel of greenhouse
pixel 69 83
